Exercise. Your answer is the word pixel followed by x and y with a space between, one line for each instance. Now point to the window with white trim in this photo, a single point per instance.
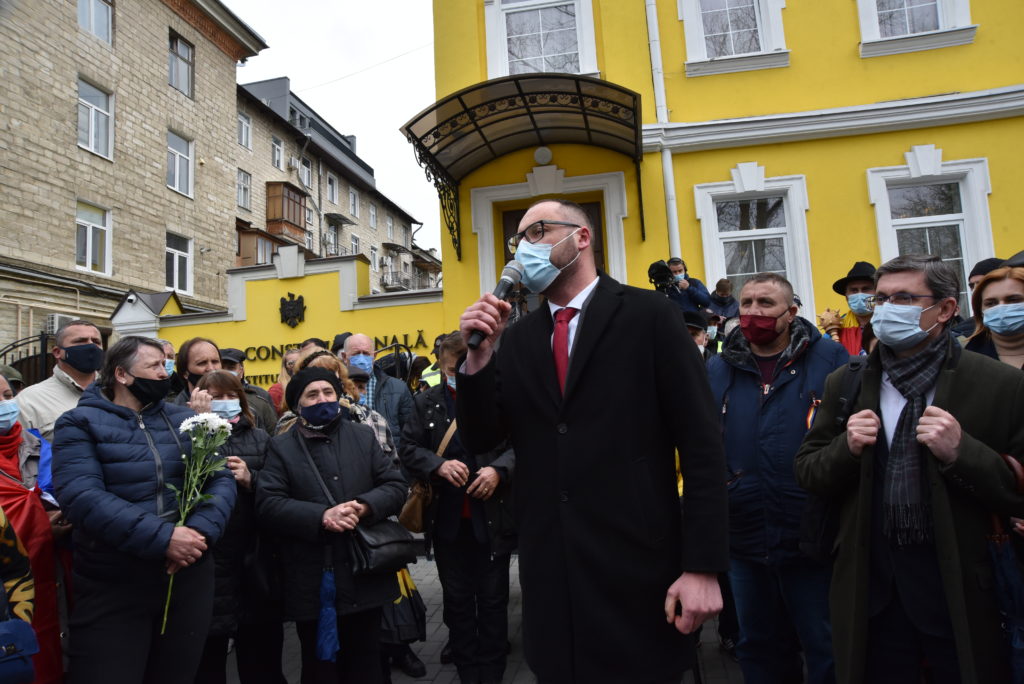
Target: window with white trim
pixel 353 201
pixel 244 131
pixel 373 216
pixel 277 153
pixel 754 224
pixel 310 217
pixel 178 263
pixel 306 171
pixel 934 207
pixel 95 16
pixel 331 241
pixel 181 64
pixel 264 250
pixel 95 110
pixel 890 27
pixel 355 244
pixel 244 189
pixel 179 163
pixel 373 258
pixel 529 36
pixel 92 238
pixel 332 188
pixel 309 238
pixel 724 36
pixel 390 222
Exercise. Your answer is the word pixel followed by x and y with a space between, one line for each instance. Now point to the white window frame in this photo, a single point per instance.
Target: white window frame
pixel 497 44
pixel 390 223
pixel 924 167
pixel 94 115
pixel 107 232
pixel 374 265
pixel 245 131
pixel 353 201
pixel 373 216
pixel 189 160
pixel 773 52
pixel 243 189
pixel 354 244
pixel 749 182
pixel 306 172
pixel 277 153
pixel 90 18
pixel 955 28
pixel 171 75
pixel 332 188
pixel 264 248
pixel 310 215
pixel 189 270
pixel 330 238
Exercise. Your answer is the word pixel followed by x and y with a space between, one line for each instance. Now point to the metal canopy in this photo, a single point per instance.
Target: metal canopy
pixel 464 131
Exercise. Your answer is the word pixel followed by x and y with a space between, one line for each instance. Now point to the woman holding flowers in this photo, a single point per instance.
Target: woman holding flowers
pixel 118 461
pixel 316 532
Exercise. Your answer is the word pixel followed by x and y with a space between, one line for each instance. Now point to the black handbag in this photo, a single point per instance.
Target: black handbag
pixel 381 547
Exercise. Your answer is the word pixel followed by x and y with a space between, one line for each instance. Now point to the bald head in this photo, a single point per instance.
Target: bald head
pixel 357 344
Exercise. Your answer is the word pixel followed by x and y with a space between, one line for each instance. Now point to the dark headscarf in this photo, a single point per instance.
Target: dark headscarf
pixel 297 385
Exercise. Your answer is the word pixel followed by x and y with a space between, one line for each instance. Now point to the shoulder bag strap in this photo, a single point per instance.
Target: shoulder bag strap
pixel 447 438
pixel 316 471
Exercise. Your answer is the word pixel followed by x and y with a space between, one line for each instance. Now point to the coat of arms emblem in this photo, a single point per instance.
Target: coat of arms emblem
pixel 293 310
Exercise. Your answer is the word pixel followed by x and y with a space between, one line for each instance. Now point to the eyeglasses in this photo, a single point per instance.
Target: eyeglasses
pixel 902 298
pixel 534 233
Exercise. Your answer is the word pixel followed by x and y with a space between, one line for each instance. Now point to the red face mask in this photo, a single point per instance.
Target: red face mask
pixel 760 329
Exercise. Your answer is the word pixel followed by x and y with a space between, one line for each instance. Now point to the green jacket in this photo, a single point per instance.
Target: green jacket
pixel 987 398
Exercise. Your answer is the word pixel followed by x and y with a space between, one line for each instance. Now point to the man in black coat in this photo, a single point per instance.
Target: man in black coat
pixel 605 557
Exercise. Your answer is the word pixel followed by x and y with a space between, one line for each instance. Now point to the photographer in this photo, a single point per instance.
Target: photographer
pixel 689 294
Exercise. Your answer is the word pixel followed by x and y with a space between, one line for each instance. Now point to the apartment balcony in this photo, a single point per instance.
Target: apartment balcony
pixel 396 281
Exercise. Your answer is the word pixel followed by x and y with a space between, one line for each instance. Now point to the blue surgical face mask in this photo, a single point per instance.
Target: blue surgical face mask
pixel 712 332
pixel 9 412
pixel 226 408
pixel 450 379
pixel 859 303
pixel 320 414
pixel 680 276
pixel 1005 319
pixel 363 362
pixel 362 399
pixel 538 271
pixel 169 366
pixel 898 326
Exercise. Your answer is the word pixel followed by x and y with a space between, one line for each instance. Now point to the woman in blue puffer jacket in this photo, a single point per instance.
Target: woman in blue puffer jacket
pixel 114 456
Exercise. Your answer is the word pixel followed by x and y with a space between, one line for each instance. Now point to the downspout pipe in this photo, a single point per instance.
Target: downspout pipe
pixel 661 111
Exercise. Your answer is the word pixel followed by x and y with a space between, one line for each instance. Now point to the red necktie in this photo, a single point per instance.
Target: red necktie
pixel 560 345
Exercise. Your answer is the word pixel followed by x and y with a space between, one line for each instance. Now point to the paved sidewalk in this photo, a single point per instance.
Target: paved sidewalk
pixel 715 666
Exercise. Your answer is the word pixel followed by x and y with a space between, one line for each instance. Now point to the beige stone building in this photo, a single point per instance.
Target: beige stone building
pixel 300 181
pixel 117 149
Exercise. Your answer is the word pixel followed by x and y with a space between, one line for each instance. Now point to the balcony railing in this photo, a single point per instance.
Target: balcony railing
pixel 396 281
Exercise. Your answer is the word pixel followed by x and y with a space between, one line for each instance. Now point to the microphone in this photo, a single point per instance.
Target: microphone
pixel 510 277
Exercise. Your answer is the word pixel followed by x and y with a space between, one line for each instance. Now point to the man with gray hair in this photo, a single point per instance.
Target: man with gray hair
pixel 916 473
pixel 78 349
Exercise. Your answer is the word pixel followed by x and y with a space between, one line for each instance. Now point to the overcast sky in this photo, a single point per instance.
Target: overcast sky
pixel 366 67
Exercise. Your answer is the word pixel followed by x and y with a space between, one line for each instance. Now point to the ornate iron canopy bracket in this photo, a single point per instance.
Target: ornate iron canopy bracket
pixel 447 192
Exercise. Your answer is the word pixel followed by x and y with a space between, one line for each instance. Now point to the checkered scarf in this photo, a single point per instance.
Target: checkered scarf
pixel 908 515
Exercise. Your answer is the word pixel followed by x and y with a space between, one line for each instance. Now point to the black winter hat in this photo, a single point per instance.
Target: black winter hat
pixel 861 270
pixel 1016 260
pixel 695 319
pixel 985 266
pixel 299 382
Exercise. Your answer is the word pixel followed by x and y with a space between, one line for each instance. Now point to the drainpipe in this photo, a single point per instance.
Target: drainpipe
pixel 661 110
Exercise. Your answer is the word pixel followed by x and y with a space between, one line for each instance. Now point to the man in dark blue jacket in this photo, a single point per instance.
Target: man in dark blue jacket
pixel 689 294
pixel 767 381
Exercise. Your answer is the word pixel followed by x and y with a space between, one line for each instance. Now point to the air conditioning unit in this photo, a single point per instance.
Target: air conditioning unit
pixel 55 322
pixel 293 163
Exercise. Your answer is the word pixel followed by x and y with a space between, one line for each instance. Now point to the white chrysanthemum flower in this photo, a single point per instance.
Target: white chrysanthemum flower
pixel 209 422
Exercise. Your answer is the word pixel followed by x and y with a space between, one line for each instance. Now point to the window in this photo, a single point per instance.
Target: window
pixel 724 36
pixel 353 202
pixel 94 120
pixel 179 163
pixel 306 171
pixel 373 216
pixel 934 207
pixel 390 223
pixel 332 188
pixel 95 17
pixel 309 240
pixel 355 244
pixel 277 153
pixel 244 189
pixel 891 27
pixel 331 241
pixel 244 131
pixel 178 260
pixel 373 259
pixel 309 215
pixel 285 203
pixel 265 250
pixel 180 64
pixel 529 36
pixel 92 239
pixel 755 224
pixel 407 236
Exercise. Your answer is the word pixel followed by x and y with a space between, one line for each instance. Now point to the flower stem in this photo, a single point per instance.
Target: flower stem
pixel 167 606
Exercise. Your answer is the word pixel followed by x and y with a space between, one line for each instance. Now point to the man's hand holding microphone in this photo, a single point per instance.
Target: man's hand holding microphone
pixel 484 321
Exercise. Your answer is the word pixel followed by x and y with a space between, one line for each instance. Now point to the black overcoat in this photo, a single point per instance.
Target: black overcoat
pixel 601 535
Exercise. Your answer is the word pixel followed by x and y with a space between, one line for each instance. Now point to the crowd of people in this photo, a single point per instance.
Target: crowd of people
pixel 828 492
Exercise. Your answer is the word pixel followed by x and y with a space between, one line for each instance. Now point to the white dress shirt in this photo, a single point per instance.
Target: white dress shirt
pixel 577 303
pixel 891 403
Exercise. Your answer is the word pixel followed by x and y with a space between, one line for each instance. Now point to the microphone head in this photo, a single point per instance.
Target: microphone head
pixel 513 272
